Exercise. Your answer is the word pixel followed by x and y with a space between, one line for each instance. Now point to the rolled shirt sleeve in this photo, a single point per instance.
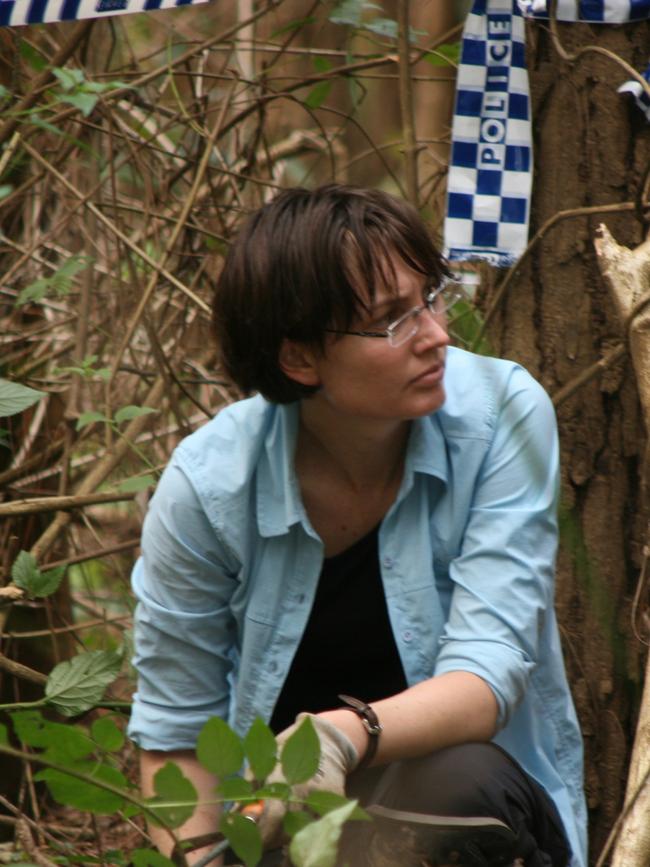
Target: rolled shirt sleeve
pixel 503 576
pixel 184 630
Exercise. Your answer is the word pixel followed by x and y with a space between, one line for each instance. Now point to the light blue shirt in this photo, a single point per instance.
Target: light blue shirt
pixel 230 565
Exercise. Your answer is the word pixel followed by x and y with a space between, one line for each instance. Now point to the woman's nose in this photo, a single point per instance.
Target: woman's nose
pixel 432 331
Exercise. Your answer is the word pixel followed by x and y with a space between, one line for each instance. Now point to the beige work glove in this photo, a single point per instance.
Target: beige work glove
pixel 338 758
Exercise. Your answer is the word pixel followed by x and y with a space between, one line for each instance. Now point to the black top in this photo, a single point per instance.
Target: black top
pixel 348 645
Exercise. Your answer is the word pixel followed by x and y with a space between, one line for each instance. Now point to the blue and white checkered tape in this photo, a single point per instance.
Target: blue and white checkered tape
pixel 15 12
pixel 490 174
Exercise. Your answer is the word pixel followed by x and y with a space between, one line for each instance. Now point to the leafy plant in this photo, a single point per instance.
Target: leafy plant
pixel 14 397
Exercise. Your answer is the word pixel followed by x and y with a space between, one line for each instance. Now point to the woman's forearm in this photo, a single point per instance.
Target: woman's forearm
pixel 205 818
pixel 452 708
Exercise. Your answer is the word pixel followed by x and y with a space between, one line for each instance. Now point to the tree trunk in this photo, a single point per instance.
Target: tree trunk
pixel 557 319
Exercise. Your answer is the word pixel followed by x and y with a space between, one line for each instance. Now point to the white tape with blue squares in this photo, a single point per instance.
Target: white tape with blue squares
pixel 490 173
pixel 490 176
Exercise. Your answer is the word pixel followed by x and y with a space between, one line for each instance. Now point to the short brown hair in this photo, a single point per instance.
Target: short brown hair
pixel 297 268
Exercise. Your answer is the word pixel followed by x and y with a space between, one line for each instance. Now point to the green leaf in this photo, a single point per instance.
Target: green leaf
pixel 235 788
pixel 24 570
pixel 73 792
pixel 137 483
pixel 175 794
pixel 300 754
pixel 261 749
pixel 108 736
pixel 127 413
pixel 4 92
pixel 85 102
pixel 14 397
pixel 324 802
pixel 90 417
pixel 26 575
pixel 350 12
pixel 282 791
pixel 294 821
pixel 4 734
pixel 33 57
pixel 69 78
pixel 243 836
pixel 61 743
pixel 444 55
pixel 5 190
pixel 318 94
pixel 149 858
pixel 316 844
pixel 386 27
pixel 219 748
pixel 59 283
pixel 78 684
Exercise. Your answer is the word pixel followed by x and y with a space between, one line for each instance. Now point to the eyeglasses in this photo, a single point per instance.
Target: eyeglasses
pixel 438 302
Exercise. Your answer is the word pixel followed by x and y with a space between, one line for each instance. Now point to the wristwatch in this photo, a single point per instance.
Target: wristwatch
pixel 371 724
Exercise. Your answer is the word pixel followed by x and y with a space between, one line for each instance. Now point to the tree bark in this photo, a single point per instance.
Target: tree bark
pixel 557 319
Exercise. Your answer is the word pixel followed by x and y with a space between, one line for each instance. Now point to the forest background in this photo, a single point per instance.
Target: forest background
pixel 132 148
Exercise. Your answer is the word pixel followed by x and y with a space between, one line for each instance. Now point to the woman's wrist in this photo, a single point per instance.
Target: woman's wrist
pixel 349 723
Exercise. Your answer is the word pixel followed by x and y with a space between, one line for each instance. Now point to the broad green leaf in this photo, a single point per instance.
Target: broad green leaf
pixel 261 749
pixel 235 789
pixel 149 858
pixel 316 844
pixel 175 794
pixel 126 413
pixel 26 575
pixel 24 570
pixel 107 735
pixel 14 397
pixel 444 55
pixel 73 792
pixel 69 78
pixel 282 791
pixel 90 417
pixel 4 734
pixel 324 802
pixel 294 821
pixel 33 57
pixel 350 12
pixel 78 684
pixel 85 102
pixel 137 483
pixel 243 836
pixel 35 292
pixel 300 754
pixel 386 27
pixel 31 728
pixel 319 93
pixel 61 743
pixel 219 748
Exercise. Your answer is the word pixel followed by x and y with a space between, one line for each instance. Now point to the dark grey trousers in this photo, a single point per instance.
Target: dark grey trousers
pixel 470 780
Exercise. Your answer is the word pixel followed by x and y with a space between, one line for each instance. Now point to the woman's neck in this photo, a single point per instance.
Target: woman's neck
pixel 363 453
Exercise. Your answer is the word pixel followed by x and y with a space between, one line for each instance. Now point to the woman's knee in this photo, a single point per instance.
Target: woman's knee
pixel 461 780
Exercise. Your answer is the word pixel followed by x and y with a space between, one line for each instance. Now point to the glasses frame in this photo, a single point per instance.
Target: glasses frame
pixel 443 292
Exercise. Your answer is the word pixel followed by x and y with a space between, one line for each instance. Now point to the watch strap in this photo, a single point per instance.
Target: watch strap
pixel 371 724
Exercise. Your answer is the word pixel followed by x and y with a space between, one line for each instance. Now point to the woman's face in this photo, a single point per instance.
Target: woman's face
pixel 366 376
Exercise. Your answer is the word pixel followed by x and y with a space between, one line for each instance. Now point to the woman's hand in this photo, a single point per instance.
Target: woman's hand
pixel 338 757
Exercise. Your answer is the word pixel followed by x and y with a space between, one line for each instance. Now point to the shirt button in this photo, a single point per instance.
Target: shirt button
pixel 407 635
pixel 388 562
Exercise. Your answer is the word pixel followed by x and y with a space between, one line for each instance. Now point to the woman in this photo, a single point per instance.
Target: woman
pixel 379 522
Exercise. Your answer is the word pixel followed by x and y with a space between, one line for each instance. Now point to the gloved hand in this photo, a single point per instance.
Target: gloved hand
pixel 338 758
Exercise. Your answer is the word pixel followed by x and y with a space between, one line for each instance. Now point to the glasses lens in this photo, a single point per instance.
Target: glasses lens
pixel 445 298
pixel 405 327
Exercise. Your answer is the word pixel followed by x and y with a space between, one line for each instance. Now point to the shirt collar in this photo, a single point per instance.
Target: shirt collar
pixel 279 504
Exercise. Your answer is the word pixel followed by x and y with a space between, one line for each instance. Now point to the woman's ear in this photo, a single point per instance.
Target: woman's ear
pixel 297 361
